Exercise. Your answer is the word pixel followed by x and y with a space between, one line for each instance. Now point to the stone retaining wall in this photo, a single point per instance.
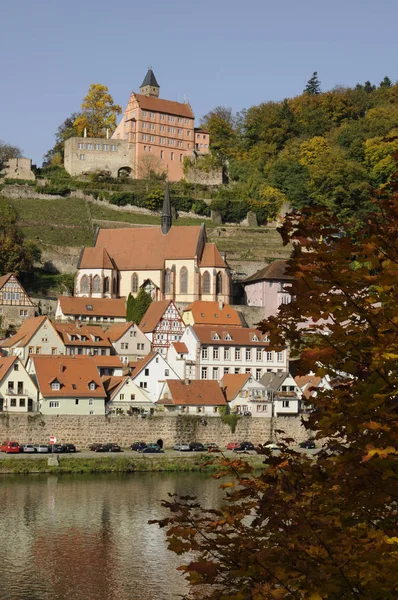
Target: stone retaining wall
pixel 82 431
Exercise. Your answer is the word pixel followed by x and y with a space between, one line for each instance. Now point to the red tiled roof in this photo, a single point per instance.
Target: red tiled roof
pixel 275 271
pixel 164 106
pixel 108 361
pixel 240 336
pixel 143 248
pixel 4 279
pixel 197 392
pixel 116 331
pixel 74 373
pixel 153 315
pixel 112 383
pixel 65 330
pixel 25 332
pixel 142 364
pixel 6 363
pixel 211 257
pixel 306 383
pixel 180 347
pixel 209 313
pixel 101 307
pixel 232 384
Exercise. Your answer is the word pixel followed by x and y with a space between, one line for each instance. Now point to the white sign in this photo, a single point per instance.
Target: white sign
pixel 53 439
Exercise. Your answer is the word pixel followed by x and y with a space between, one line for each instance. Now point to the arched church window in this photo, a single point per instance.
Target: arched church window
pixel 206 283
pixel 183 281
pixel 106 285
pixel 134 283
pixel 219 283
pixel 96 285
pixel 167 282
pixel 84 287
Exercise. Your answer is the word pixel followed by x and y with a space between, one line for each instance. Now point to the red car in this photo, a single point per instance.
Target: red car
pixel 10 447
pixel 232 445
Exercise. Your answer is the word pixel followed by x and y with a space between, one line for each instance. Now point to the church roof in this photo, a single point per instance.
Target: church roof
pixel 154 104
pixel 147 248
pixel 150 79
pixel 153 315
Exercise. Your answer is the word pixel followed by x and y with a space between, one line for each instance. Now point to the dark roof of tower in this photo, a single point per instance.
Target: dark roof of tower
pixel 150 79
pixel 166 209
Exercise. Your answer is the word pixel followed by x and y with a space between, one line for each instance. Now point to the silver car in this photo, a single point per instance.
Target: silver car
pixel 29 448
pixel 42 448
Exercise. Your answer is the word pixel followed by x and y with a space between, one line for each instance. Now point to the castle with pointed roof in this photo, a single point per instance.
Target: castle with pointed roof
pixel 153 135
pixel 170 263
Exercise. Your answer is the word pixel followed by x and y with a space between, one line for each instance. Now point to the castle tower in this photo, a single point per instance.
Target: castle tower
pixel 150 87
pixel 166 211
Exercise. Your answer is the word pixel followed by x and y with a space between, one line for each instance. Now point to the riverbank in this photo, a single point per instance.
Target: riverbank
pixel 138 463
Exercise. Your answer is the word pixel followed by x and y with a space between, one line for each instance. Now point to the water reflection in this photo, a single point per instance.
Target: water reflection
pixel 88 538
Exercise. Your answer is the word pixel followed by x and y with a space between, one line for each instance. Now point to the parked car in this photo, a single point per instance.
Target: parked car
pixel 182 447
pixel 98 447
pixel 57 448
pixel 152 449
pixel 10 447
pixel 212 447
pixel 247 413
pixel 197 447
pixel 112 448
pixel 244 447
pixel 308 444
pixel 29 448
pixel 41 448
pixel 232 445
pixel 271 446
pixel 137 446
pixel 70 448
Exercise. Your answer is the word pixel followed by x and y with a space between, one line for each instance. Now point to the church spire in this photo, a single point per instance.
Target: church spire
pixel 166 211
pixel 150 86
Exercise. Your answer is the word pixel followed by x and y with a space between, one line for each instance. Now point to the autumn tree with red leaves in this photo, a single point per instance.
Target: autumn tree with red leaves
pixel 323 528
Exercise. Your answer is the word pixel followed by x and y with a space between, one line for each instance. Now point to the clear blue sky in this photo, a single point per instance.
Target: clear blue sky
pixel 216 52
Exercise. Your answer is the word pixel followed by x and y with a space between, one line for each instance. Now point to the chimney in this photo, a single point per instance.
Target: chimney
pixel 220 304
pixel 85 132
pixel 61 367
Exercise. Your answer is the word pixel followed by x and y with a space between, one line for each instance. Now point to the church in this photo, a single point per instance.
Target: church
pixel 170 263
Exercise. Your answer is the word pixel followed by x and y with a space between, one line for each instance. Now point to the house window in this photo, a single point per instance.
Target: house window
pixel 143 384
pixel 285 403
pixel 54 404
pixel 76 401
pixel 279 356
pixel 258 408
pixel 22 402
pixel 81 156
pixel 248 354
pixel 132 396
pixel 13 402
pixel 53 351
pixel 30 350
pixel 166 372
pixel 146 372
pixel 237 370
pixel 237 353
pixel 269 356
pixel 258 374
pixel 215 372
pixel 216 353
pixel 23 313
pixel 134 283
pixel 219 283
pixel 226 353
pixel 205 354
pixel 183 281
pixel 206 283
pixel 16 367
pixel 258 354
pixel 226 370
pixel 38 349
pixel 204 373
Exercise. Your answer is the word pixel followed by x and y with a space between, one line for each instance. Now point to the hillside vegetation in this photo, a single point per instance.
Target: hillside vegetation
pixel 331 149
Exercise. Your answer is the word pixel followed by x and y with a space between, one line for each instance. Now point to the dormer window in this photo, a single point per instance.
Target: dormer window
pixel 97 338
pixel 254 338
pixel 215 315
pixel 266 338
pixel 215 336
pixel 73 338
pixel 89 307
pixel 92 385
pixel 202 314
pixel 84 338
pixel 55 385
pixel 227 337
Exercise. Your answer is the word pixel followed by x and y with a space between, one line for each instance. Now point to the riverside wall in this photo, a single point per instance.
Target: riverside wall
pixel 124 430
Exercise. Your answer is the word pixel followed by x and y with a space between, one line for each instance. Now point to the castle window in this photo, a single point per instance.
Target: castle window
pixel 152 115
pixel 179 120
pixel 152 138
pixel 134 283
pixel 188 133
pixel 219 283
pixel 188 145
pixel 162 128
pixel 97 146
pixel 82 156
pixel 105 147
pixel 144 148
pixel 144 113
pixel 96 285
pixel 80 146
pixel 181 157
pixel 89 146
pixel 206 283
pixel 161 153
pixel 113 148
pixel 180 132
pixel 183 279
pixel 171 155
pixel 179 144
pixel 162 140
pixel 84 285
pixel 162 117
pixel 152 126
pixel 167 279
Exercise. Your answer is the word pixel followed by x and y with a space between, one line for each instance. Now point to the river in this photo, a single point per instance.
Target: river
pixel 86 537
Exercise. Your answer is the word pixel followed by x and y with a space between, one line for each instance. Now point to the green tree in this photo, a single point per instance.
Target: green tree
pixel 67 129
pixel 221 127
pixel 98 112
pixel 313 86
pixel 8 151
pixel 130 308
pixel 140 306
pixel 16 254
pixel 321 528
pixel 386 82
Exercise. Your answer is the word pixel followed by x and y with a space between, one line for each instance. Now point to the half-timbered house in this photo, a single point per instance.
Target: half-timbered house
pixel 15 303
pixel 163 325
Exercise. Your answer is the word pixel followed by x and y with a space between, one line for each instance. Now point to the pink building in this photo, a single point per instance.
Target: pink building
pixel 162 131
pixel 269 288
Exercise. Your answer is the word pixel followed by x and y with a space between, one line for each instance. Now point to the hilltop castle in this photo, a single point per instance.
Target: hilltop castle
pixel 153 135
